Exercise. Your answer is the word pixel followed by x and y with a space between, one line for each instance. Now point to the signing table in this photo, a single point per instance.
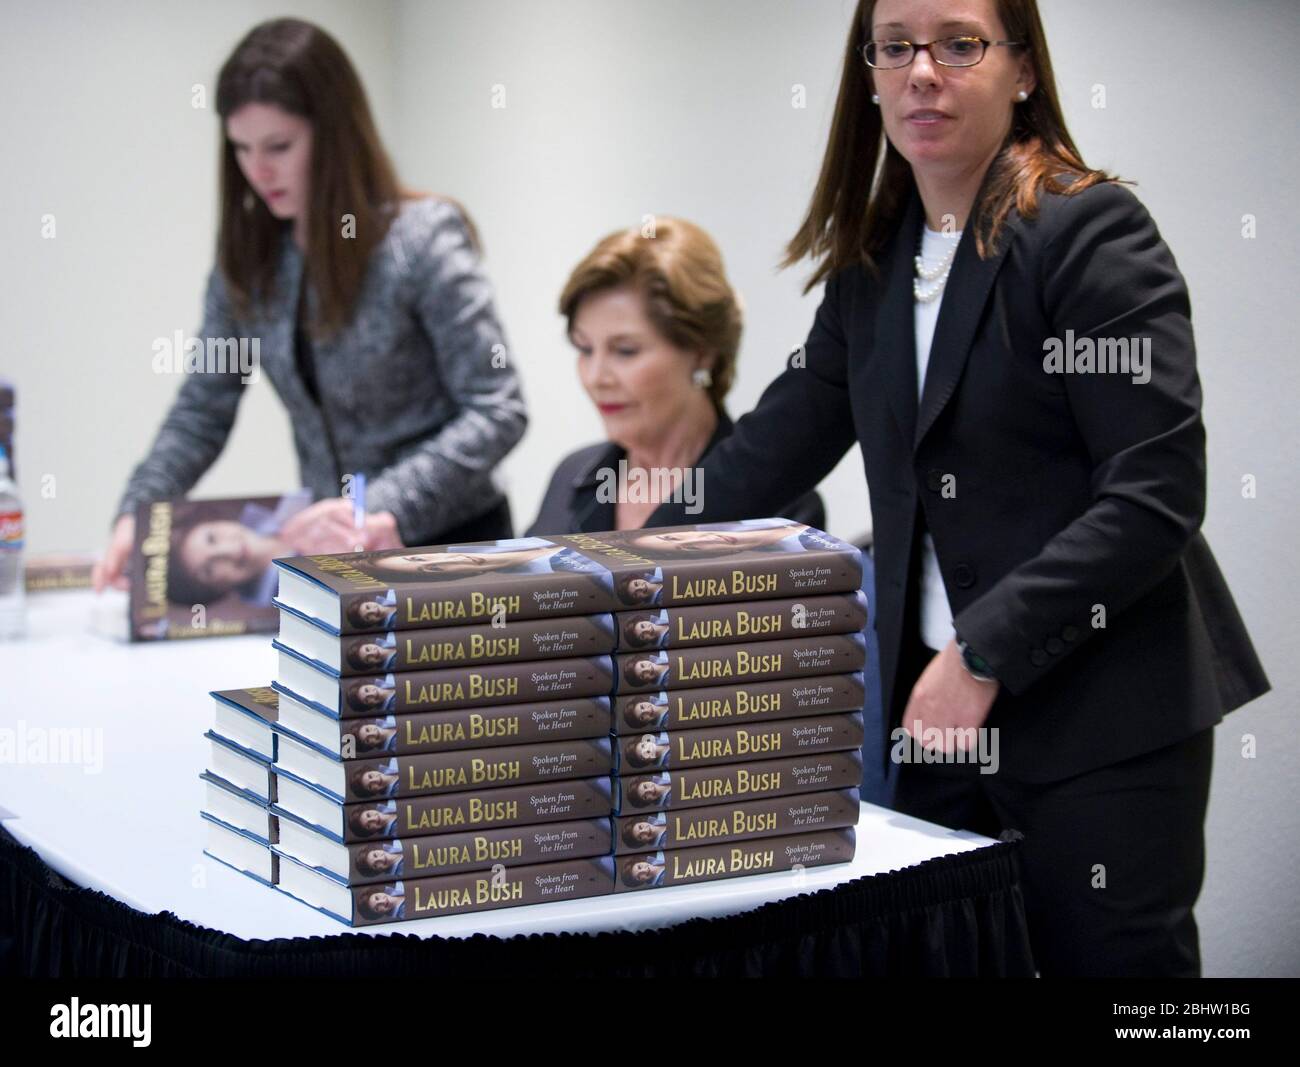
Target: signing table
pixel 102 870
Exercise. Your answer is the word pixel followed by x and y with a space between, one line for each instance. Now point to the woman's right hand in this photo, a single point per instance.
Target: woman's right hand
pixel 111 568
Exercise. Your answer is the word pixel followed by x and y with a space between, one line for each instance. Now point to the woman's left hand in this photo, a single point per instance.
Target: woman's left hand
pixel 947 697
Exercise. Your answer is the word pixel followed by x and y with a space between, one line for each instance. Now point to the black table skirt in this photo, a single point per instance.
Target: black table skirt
pixel 959 915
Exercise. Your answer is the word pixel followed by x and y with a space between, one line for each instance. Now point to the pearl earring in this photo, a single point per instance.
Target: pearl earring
pixel 875 99
pixel 702 378
pixel 1022 96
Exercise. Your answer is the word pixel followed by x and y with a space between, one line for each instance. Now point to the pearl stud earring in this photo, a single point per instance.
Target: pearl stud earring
pixel 875 98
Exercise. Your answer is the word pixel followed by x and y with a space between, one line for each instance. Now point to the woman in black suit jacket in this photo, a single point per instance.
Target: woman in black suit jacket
pixel 1037 501
pixel 656 326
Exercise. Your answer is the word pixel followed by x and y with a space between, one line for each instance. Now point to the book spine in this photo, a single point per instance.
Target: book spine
pixel 750 620
pixel 464 728
pixel 583 798
pixel 691 709
pixel 682 866
pixel 502 887
pixel 469 687
pixel 512 846
pixel 453 772
pixel 699 786
pixel 498 598
pixel 771 817
pixel 458 646
pixel 729 744
pixel 687 668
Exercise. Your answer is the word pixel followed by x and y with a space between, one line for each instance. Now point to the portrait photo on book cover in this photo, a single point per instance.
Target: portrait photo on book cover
pixel 386 903
pixel 364 736
pixel 646 831
pixel 504 558
pixel 373 820
pixel 739 539
pixel 213 554
pixel 372 652
pixel 648 750
pixel 650 669
pixel 643 872
pixel 377 780
pixel 653 791
pixel 648 709
pixel 381 859
pixel 372 694
pixel 646 629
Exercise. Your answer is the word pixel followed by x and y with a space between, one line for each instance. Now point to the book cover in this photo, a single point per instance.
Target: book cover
pixel 715 823
pixel 686 668
pixel 698 786
pixel 750 620
pixel 692 709
pixel 661 750
pixel 569 574
pixel 203 568
pixel 682 866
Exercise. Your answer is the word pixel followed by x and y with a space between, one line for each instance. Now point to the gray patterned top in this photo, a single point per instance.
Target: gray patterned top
pixel 417 388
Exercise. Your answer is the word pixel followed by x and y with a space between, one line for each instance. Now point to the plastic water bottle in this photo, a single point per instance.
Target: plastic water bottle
pixel 13 619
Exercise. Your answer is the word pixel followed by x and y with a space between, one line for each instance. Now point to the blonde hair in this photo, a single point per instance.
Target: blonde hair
pixel 680 275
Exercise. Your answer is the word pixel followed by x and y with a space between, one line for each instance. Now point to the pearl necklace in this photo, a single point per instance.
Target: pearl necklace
pixel 937 274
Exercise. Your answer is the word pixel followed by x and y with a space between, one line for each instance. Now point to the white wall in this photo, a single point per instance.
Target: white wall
pixel 617 108
pixel 98 130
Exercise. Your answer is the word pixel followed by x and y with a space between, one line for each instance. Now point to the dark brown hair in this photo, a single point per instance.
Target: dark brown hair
pixel 680 276
pixel 301 69
pixel 865 182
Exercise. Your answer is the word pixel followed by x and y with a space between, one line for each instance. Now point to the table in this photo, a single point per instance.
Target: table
pixel 102 870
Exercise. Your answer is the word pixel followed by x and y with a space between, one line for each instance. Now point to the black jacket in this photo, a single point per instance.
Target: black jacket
pixel 571 505
pixel 1057 502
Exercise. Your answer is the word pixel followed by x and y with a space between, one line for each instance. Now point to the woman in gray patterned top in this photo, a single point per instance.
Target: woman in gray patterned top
pixel 366 306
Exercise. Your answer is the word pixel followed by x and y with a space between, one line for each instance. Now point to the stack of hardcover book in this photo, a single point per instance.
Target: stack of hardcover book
pixel 239 783
pixel 738 723
pixel 485 725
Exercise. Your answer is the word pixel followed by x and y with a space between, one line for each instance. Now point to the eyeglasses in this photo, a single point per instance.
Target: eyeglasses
pixel 948 52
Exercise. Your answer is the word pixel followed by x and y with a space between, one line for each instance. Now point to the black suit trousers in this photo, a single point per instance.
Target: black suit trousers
pixel 1112 859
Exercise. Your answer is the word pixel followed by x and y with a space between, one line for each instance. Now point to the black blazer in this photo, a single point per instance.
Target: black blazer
pixel 570 504
pixel 1057 502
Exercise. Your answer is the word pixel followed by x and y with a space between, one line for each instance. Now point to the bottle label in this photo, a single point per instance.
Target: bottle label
pixel 11 530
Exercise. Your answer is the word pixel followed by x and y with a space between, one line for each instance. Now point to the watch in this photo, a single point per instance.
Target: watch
pixel 976 665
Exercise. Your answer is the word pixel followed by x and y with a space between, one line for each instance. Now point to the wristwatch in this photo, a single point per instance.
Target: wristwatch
pixel 976 665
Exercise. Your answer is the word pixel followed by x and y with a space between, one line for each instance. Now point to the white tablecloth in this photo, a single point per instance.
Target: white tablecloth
pixel 127 823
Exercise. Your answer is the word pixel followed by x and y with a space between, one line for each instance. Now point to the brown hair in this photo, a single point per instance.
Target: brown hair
pixel 680 275
pixel 301 69
pixel 865 182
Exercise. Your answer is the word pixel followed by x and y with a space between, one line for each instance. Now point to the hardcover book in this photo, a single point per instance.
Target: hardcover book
pixel 691 709
pixel 715 823
pixel 569 574
pixel 698 786
pixel 444 772
pixel 730 744
pixel 369 820
pixel 449 646
pixel 203 568
pixel 686 668
pixel 425 857
pixel 442 731
pixel 751 620
pixel 682 866
pixel 452 894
